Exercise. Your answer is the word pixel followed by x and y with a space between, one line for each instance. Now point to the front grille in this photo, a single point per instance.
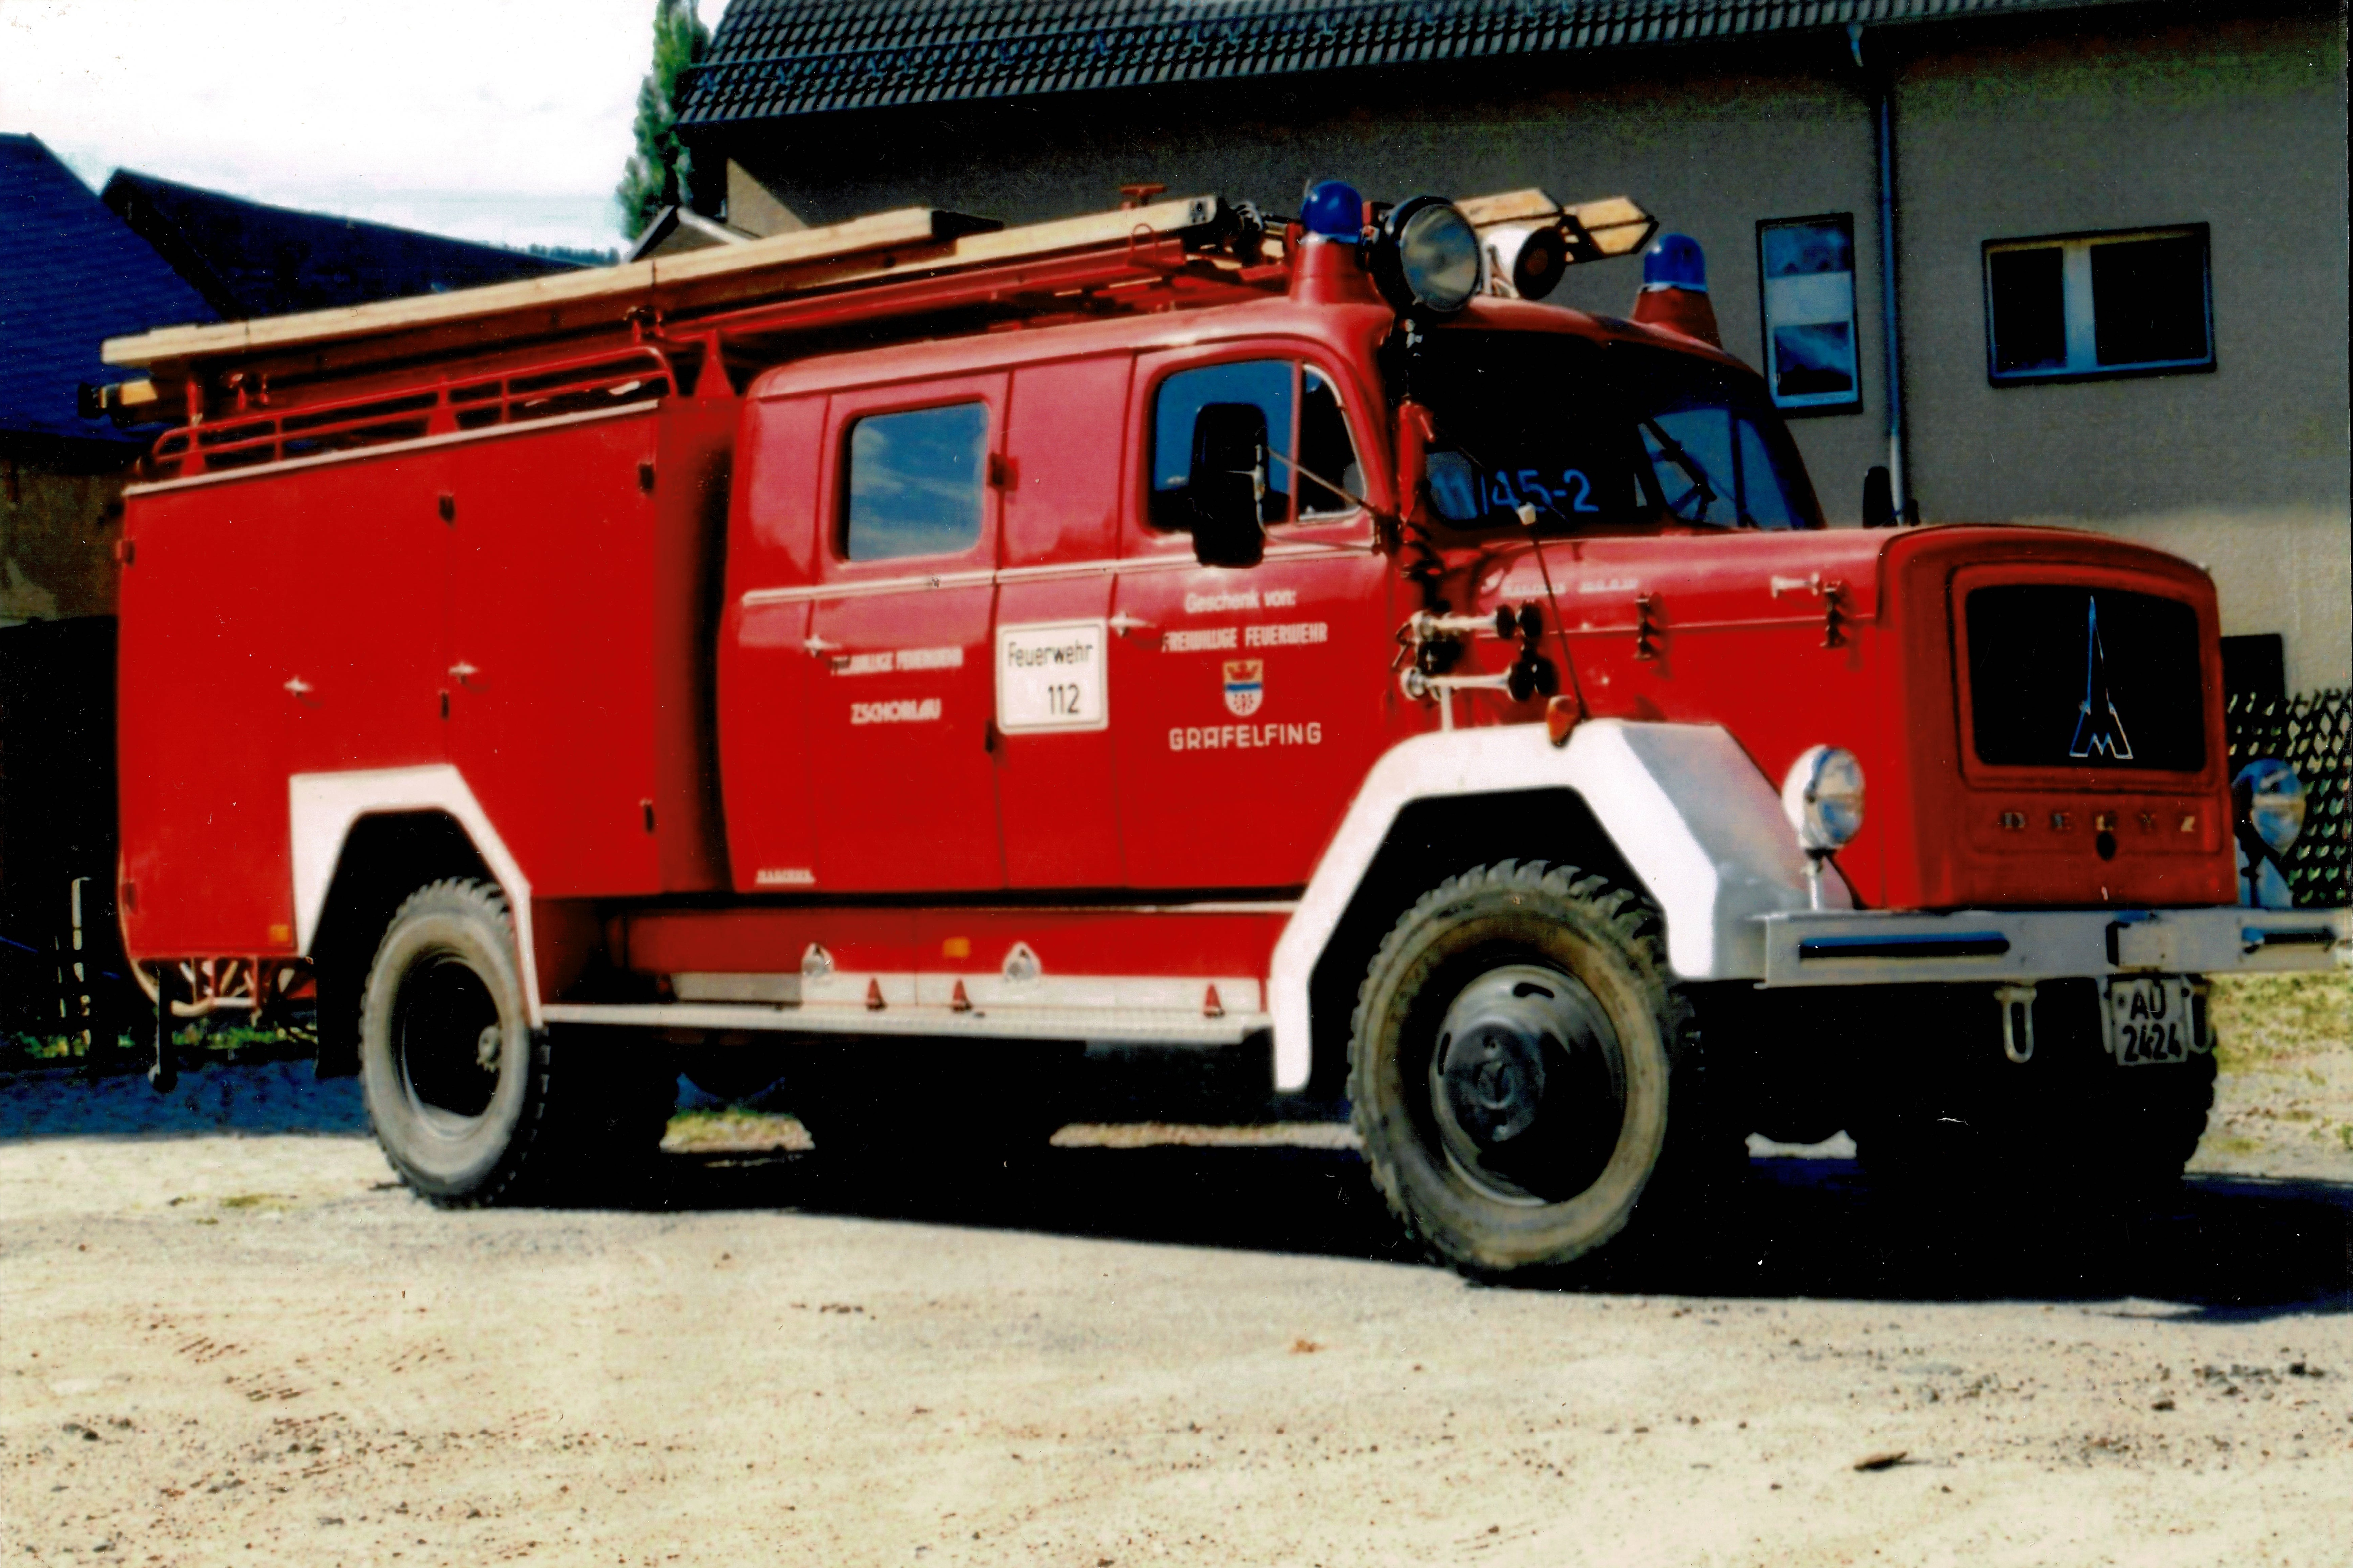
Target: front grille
pixel 2064 676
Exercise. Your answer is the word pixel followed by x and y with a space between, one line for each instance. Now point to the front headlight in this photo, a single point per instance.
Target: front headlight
pixel 2269 798
pixel 1426 256
pixel 1822 797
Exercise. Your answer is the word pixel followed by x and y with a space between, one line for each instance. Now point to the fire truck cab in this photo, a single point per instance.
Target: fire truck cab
pixel 902 655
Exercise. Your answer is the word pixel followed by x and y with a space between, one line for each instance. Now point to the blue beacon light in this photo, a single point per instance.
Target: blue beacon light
pixel 1675 261
pixel 1333 211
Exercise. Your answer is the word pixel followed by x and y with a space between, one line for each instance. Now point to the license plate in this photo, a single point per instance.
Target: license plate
pixel 2150 1020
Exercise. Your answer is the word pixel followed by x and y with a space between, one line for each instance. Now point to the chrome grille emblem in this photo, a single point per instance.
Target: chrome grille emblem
pixel 2099 732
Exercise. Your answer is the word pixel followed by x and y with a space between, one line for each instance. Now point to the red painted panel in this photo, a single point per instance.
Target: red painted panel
pixel 205 720
pixel 368 629
pixel 898 714
pixel 692 477
pixel 551 649
pixel 1098 941
pixel 1252 702
pixel 1067 940
pixel 766 668
pixel 1064 435
pixel 765 940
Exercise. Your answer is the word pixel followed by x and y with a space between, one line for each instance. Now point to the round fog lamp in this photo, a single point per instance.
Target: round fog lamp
pixel 2269 798
pixel 1427 257
pixel 1822 799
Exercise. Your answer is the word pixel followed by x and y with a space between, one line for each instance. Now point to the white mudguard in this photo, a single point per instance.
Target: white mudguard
pixel 322 808
pixel 1683 803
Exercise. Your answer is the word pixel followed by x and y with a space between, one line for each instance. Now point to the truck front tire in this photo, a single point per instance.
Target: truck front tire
pixel 1518 1050
pixel 471 1106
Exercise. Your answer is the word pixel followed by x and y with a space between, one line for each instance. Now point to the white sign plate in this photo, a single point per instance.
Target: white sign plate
pixel 1051 676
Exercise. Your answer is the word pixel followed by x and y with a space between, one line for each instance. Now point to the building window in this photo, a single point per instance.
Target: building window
pixel 915 482
pixel 2069 307
pixel 1807 265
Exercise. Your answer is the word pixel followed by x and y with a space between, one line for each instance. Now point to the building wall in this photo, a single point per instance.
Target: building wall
pixel 2097 120
pixel 61 513
pixel 2240 125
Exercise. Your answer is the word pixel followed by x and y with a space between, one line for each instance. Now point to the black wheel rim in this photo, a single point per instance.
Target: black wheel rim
pixel 448 1043
pixel 1526 1085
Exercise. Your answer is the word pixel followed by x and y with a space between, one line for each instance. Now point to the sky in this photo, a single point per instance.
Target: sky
pixel 504 120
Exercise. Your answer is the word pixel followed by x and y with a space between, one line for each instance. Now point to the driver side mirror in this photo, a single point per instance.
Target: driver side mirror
pixel 1226 484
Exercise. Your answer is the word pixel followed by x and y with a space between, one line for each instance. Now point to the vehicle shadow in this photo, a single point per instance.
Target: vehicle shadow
pixel 2221 1247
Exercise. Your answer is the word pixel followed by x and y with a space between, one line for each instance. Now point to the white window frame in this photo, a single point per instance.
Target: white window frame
pixel 1821 284
pixel 2082 362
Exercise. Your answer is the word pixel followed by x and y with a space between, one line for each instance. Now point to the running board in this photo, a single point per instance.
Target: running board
pixel 1128 1025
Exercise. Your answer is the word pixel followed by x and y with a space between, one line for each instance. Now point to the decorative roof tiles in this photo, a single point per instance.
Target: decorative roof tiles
pixel 774 58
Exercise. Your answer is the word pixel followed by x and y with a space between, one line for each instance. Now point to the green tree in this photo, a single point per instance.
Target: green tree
pixel 661 172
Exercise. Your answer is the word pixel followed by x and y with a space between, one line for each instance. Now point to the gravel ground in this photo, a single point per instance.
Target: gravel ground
pixel 226 1337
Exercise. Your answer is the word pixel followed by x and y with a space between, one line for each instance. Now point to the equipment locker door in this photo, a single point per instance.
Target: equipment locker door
pixel 551 531
pixel 898 729
pixel 1253 700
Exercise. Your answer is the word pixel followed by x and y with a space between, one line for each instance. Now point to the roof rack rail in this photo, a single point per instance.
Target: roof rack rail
pixel 696 293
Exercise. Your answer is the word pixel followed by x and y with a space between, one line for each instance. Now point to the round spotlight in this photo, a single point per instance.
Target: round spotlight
pixel 1533 256
pixel 1426 256
pixel 2269 798
pixel 1822 799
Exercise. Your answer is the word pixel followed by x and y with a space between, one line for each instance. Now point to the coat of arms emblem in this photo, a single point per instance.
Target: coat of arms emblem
pixel 1245 686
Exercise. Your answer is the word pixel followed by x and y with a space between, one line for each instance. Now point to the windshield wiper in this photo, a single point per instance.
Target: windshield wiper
pixel 1674 453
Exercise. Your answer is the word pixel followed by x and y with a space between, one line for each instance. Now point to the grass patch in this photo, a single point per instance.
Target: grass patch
pixel 732 1129
pixel 2265 1019
pixel 197 1041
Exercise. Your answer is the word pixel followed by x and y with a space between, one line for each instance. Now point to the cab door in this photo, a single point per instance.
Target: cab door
pixel 1254 699
pixel 1055 706
pixel 899 713
pixel 766 668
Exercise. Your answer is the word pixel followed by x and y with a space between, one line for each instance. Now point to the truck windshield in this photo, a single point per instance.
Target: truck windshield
pixel 1592 435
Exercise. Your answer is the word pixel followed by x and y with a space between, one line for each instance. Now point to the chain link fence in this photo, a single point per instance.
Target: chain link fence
pixel 2313 735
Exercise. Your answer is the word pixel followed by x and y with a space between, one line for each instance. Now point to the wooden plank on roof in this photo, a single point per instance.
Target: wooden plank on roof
pixel 1617 225
pixel 568 299
pixel 1161 219
pixel 1531 205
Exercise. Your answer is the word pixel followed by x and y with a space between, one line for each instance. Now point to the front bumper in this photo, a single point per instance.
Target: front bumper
pixel 1875 947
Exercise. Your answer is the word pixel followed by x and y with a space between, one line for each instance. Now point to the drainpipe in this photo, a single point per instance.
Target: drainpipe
pixel 1891 323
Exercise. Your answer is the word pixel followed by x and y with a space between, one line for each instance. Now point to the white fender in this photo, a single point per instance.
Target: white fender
pixel 322 808
pixel 1690 813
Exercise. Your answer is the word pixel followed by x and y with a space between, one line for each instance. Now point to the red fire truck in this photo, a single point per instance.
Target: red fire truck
pixel 920 650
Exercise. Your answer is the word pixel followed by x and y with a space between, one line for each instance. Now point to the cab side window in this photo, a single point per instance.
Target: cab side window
pixel 916 482
pixel 1325 451
pixel 1308 448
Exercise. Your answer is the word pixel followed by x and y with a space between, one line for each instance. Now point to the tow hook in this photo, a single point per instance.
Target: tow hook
pixel 2017 1022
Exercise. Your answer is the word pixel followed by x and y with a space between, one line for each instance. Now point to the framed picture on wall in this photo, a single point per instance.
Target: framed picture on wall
pixel 1806 265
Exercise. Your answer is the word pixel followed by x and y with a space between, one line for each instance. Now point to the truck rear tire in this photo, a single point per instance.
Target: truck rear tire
pixel 472 1107
pixel 1520 1059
